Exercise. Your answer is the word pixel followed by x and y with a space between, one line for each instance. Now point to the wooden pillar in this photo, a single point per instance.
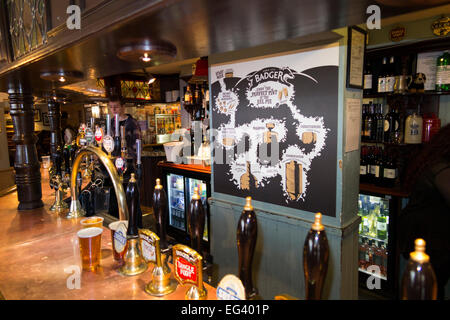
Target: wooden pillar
pixel 26 164
pixel 54 117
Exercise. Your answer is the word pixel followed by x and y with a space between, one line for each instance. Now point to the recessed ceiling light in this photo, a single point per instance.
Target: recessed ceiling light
pixel 62 76
pixel 62 79
pixel 145 57
pixel 146 50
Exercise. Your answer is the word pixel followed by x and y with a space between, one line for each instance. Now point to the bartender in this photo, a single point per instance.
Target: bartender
pixel 132 132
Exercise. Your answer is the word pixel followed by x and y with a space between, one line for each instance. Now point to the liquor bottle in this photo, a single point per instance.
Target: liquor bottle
pixel 246 235
pixel 369 123
pixel 391 126
pixel 377 257
pixel 443 72
pixel 367 78
pixel 360 231
pixel 373 123
pixel 196 221
pixel 160 212
pixel 390 75
pixel 380 123
pixel 363 258
pixel 361 252
pixel 365 217
pixel 375 166
pixel 381 224
pixel 413 129
pixel 363 122
pixel 372 221
pixel 315 259
pixel 369 161
pixel 380 163
pixel 384 260
pixel 389 171
pixel 419 280
pixel 197 95
pixel 363 165
pixel 382 76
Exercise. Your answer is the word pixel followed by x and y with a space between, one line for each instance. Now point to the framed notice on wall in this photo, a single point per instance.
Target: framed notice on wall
pixel 275 129
pixel 355 57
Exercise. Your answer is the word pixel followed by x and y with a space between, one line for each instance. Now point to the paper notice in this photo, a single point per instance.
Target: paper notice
pixel 352 124
pixel 426 64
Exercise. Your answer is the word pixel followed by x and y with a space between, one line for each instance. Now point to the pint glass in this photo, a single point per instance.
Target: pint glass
pixel 91 222
pixel 90 245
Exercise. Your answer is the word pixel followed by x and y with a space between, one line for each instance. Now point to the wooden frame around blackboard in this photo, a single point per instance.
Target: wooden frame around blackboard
pixel 349 56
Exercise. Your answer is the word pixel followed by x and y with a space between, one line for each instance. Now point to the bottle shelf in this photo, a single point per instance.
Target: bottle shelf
pixel 372 238
pixel 396 191
pixel 405 94
pixel 391 143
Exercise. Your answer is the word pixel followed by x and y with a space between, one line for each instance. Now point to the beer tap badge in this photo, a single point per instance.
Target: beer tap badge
pixel 120 238
pixel 149 245
pixel 275 122
pixel 187 264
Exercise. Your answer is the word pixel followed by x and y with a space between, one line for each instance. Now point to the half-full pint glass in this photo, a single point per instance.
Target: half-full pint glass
pixel 90 245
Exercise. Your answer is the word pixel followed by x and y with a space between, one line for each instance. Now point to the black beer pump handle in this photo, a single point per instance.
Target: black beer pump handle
pixel 247 231
pixel 132 195
pixel 196 221
pixel 160 212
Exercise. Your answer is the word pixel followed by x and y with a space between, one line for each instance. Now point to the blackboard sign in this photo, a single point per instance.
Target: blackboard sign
pixel 275 129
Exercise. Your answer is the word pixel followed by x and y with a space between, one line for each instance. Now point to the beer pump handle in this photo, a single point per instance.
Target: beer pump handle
pixel 132 196
pixel 66 154
pixel 196 220
pixel 58 162
pixel 108 125
pixel 315 259
pixel 247 232
pixel 160 212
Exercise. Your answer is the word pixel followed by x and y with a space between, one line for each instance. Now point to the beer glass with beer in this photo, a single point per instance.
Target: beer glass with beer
pixel 91 222
pixel 90 245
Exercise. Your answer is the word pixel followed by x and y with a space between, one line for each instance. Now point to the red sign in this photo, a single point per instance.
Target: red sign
pixel 185 270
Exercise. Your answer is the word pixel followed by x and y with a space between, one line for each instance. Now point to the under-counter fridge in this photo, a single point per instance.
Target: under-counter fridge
pixel 377 250
pixel 180 189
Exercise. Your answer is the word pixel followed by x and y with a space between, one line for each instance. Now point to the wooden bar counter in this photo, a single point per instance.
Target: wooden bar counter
pixel 38 252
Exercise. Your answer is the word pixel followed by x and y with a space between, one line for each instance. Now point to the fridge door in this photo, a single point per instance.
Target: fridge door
pixel 373 235
pixel 175 186
pixel 192 183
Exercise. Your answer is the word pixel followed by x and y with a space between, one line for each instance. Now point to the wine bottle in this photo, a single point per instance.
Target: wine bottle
pixel 443 72
pixel 247 232
pixel 363 122
pixel 382 76
pixel 419 280
pixel 367 78
pixel 315 259
pixel 363 165
pixel 380 123
pixel 390 75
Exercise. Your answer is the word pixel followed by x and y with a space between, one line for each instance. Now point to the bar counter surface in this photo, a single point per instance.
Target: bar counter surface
pixel 39 252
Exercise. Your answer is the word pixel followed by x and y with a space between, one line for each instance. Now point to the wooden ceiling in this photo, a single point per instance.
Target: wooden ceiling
pixel 195 27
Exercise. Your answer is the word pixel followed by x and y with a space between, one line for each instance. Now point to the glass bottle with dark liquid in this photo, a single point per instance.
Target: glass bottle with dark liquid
pixel 247 231
pixel 196 221
pixel 419 279
pixel 315 259
pixel 159 210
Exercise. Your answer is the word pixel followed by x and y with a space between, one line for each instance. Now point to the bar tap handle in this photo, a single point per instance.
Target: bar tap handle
pixel 247 231
pixel 66 156
pixel 160 212
pixel 315 259
pixel 132 195
pixel 117 147
pixel 196 221
pixel 123 142
pixel 134 262
pixel 138 161
pixel 108 125
pixel 58 161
